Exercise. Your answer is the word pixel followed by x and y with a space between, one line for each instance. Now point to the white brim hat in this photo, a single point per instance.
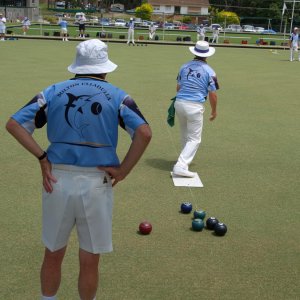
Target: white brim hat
pixel 92 58
pixel 202 49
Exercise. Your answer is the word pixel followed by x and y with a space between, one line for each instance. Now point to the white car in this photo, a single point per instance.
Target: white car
pixel 234 28
pixel 215 26
pixel 93 20
pixel 259 29
pixel 120 23
pixel 248 28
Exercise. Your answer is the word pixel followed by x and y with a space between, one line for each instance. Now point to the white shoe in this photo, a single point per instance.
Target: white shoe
pixel 179 171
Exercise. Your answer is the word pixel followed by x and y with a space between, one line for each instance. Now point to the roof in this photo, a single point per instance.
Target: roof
pixel 198 3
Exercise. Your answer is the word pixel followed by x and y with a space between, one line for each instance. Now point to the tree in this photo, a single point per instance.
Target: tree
pixel 227 17
pixel 144 11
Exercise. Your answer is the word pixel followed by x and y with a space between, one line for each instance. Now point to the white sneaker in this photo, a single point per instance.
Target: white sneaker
pixel 179 171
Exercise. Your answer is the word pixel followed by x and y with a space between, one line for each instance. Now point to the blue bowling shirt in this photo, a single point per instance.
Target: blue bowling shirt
pixel 82 116
pixel 196 78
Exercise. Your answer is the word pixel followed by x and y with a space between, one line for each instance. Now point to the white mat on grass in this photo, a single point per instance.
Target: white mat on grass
pixel 185 181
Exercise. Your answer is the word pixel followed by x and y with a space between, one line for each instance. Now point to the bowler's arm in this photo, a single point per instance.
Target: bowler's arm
pixel 213 99
pixel 28 142
pixel 140 141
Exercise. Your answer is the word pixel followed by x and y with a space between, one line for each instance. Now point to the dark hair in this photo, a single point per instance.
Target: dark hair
pixel 100 76
pixel 199 58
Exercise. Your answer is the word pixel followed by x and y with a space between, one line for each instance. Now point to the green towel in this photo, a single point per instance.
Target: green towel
pixel 171 113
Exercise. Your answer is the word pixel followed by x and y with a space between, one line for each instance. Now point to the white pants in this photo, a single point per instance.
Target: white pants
pixel 200 37
pixel 292 50
pixel 130 36
pixel 190 117
pixel 151 35
pixel 215 38
pixel 82 197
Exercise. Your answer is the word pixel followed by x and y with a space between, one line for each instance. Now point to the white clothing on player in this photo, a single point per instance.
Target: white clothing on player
pixel 2 25
pixel 200 33
pixel 130 32
pixel 82 197
pixel 294 45
pixel 215 38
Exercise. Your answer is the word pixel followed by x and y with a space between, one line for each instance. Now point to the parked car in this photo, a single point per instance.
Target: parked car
pixel 105 22
pixel 184 27
pixel 93 20
pixel 192 26
pixel 120 23
pixel 169 26
pixel 259 29
pixel 248 28
pixel 215 26
pixel 234 28
pixel 269 31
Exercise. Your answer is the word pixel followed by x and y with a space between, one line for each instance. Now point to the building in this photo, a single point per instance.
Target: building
pixel 18 9
pixel 180 7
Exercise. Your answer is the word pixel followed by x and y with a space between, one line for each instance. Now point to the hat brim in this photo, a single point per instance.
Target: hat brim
pixel 211 51
pixel 107 67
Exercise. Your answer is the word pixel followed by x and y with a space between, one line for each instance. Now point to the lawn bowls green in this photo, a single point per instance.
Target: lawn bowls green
pixel 197 224
pixel 211 222
pixel 220 229
pixel 199 214
pixel 186 207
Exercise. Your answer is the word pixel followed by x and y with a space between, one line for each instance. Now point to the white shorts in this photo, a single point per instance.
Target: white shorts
pixel 82 197
pixel 2 30
pixel 64 30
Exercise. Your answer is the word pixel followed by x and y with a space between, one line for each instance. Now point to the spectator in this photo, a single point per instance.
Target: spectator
pixel 81 164
pixel 25 25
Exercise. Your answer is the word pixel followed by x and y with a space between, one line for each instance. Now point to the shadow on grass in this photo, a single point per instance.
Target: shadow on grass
pixel 161 164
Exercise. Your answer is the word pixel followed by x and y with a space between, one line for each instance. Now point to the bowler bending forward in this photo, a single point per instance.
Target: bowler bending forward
pixel 80 165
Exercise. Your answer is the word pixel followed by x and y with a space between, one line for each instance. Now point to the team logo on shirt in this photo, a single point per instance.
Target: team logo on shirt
pixel 192 73
pixel 79 111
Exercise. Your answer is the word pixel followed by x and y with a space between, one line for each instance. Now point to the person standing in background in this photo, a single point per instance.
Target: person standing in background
pixel 215 38
pixel 294 43
pixel 2 27
pixel 130 32
pixel 81 22
pixel 63 30
pixel 200 33
pixel 25 25
pixel 152 30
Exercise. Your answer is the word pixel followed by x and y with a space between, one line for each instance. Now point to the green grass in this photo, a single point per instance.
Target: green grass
pixel 248 161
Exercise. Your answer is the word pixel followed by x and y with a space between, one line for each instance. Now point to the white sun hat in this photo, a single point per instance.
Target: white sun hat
pixel 202 49
pixel 92 58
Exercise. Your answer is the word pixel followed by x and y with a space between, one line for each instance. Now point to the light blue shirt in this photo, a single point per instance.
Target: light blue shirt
pixel 196 78
pixel 63 24
pixel 82 116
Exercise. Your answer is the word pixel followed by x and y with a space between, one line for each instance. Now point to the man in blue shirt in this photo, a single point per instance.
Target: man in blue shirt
pixel 81 164
pixel 294 43
pixel 130 32
pixel 63 29
pixel 196 81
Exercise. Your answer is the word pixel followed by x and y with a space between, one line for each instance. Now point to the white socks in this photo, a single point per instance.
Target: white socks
pixel 49 298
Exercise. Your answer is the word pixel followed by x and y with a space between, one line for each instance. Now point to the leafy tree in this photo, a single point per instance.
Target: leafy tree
pixel 144 11
pixel 227 17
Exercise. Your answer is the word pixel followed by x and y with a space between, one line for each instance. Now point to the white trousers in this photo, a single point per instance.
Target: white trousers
pixel 130 36
pixel 292 50
pixel 190 117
